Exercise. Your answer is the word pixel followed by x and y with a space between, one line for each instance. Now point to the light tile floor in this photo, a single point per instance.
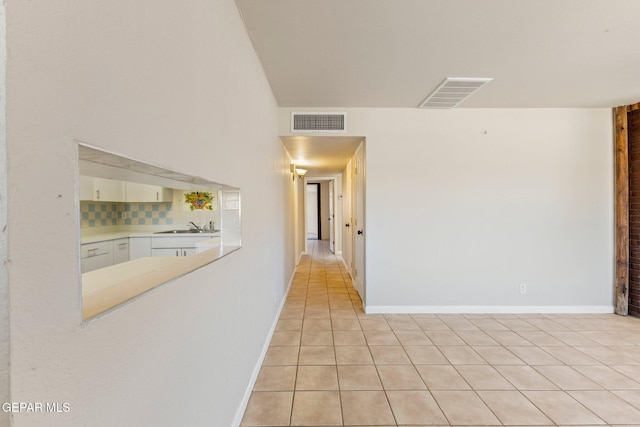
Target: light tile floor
pixel 329 364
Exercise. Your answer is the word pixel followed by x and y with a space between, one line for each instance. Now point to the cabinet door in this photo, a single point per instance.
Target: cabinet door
pixel 188 251
pixel 120 250
pixel 167 252
pixel 85 189
pixel 147 193
pixel 139 247
pixel 108 190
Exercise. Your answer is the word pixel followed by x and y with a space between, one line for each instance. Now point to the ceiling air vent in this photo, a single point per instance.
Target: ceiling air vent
pixel 318 122
pixel 452 91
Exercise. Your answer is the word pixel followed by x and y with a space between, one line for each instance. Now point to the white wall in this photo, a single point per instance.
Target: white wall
pixel 177 85
pixel 4 282
pixel 464 205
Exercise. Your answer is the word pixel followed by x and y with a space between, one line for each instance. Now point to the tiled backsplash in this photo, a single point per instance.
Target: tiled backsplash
pixel 94 214
pixel 177 214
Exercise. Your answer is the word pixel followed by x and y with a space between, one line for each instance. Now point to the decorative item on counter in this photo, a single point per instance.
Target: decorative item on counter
pixel 199 200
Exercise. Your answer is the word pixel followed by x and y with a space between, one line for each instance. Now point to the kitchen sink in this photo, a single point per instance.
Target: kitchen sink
pixel 192 231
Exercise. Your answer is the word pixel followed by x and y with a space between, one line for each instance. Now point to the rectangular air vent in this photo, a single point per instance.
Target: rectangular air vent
pixel 452 91
pixel 318 122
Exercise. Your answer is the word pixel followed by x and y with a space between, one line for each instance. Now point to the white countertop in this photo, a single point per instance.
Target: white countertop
pixel 113 235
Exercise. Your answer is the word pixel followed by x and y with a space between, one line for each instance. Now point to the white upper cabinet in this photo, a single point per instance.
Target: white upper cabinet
pixel 108 190
pixel 112 190
pixel 101 189
pixel 86 187
pixel 147 193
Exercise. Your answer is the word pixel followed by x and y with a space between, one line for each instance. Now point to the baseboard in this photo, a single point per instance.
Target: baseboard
pixel 488 309
pixel 256 370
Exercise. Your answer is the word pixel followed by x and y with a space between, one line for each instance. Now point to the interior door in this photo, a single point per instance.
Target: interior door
pixel 359 222
pixel 332 231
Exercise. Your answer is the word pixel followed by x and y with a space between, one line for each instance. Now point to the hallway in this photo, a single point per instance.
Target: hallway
pixel 330 364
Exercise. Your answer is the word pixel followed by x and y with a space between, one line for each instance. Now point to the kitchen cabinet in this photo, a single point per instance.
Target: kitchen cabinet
pixel 101 189
pixel 173 251
pixel 95 255
pixel 175 246
pixel 120 250
pixel 86 187
pixel 135 192
pixel 139 247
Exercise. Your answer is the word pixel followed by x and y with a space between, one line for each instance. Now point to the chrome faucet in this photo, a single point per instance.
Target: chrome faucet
pixel 195 226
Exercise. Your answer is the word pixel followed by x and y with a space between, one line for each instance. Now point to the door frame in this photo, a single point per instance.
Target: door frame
pixel 358 196
pixel 336 197
pixel 318 201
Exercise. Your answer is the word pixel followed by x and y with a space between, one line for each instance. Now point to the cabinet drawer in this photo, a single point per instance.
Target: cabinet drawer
pixel 89 250
pixel 95 262
pixel 167 252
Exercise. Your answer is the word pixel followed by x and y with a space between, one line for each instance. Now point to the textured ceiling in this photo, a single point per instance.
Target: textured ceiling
pixel 383 53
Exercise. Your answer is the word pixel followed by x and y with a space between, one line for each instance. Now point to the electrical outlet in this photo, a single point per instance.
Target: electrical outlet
pixel 126 215
pixel 523 288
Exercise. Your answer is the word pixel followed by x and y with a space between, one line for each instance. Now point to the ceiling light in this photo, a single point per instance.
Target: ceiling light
pixel 452 91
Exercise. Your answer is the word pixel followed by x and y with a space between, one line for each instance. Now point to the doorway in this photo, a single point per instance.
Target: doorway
pixel 314 226
pixel 332 161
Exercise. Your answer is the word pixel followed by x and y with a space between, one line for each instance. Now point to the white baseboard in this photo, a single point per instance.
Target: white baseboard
pixel 256 370
pixel 498 309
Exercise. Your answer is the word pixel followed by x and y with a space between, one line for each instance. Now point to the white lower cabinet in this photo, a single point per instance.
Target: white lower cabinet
pixel 139 247
pixel 103 254
pixel 95 255
pixel 120 250
pixel 108 252
pixel 173 251
pixel 175 246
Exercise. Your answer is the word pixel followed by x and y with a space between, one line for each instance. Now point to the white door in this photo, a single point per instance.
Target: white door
pixel 312 211
pixel 359 222
pixel 332 231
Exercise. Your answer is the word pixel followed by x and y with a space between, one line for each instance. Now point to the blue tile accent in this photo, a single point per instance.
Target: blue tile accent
pixel 155 221
pixel 85 215
pixel 148 214
pixel 103 207
pixel 98 215
pixel 127 221
pixel 127 207
pixel 92 208
pixel 141 221
pixel 169 221
pixel 141 207
pixel 155 207
pixel 134 214
pixel 163 214
pixel 92 223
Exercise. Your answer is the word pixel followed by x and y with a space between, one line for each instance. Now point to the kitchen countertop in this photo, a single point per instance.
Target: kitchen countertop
pixel 108 287
pixel 113 235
